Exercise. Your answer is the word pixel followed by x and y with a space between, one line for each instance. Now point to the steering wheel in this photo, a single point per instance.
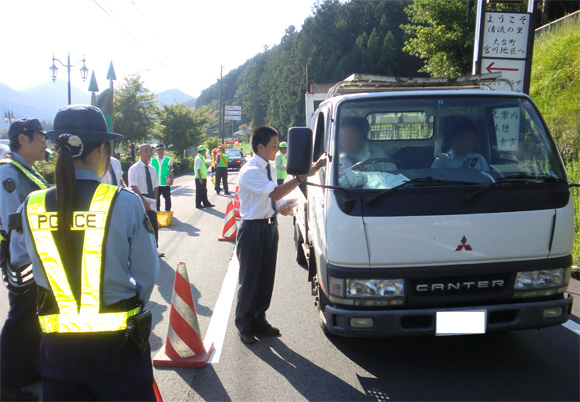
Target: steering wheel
pixel 362 165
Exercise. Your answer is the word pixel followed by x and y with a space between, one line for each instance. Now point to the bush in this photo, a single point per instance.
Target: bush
pixel 573 170
pixel 46 170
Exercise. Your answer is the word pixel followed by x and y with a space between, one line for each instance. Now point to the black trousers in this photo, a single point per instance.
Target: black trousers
pixel 90 367
pixel 201 193
pixel 153 218
pixel 20 339
pixel 257 250
pixel 164 191
pixel 221 174
pixel 280 181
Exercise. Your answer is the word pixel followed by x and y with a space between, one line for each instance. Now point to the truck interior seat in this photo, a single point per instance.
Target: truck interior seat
pixel 415 157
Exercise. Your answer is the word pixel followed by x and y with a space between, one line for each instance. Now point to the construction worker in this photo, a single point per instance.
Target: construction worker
pixel 164 167
pixel 281 163
pixel 94 260
pixel 221 172
pixel 200 170
pixel 21 335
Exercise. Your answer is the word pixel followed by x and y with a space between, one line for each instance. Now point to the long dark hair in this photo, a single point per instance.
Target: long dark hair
pixel 66 191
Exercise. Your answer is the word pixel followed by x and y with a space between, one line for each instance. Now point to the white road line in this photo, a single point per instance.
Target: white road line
pixel 183 185
pixel 572 326
pixel 218 325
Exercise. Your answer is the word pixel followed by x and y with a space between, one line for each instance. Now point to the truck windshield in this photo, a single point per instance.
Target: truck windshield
pixel 455 140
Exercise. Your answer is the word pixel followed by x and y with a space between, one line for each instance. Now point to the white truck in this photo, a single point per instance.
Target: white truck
pixel 443 210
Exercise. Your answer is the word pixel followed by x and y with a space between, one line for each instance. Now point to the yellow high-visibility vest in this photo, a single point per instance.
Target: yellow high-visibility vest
pixel 36 180
pixel 73 318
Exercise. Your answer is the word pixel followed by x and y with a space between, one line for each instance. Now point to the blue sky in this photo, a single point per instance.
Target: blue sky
pixel 172 43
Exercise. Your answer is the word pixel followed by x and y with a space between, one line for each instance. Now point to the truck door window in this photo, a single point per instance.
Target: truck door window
pixel 319 143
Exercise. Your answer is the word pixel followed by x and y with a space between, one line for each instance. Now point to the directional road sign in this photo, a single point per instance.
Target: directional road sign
pixel 238 117
pixel 233 107
pixel 512 70
pixel 233 112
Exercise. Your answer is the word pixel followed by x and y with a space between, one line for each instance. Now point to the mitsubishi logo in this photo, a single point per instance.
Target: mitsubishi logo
pixel 463 245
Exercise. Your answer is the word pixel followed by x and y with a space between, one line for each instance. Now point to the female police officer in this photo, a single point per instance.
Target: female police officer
pixel 95 262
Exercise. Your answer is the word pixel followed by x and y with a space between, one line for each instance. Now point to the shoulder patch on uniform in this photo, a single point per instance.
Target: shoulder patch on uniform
pixel 147 224
pixel 9 185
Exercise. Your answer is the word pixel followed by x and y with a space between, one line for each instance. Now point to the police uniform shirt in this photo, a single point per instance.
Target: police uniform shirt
pixel 115 166
pixel 255 189
pixel 130 250
pixel 15 188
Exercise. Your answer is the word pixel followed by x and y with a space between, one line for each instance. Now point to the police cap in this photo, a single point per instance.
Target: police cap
pixel 85 121
pixel 23 126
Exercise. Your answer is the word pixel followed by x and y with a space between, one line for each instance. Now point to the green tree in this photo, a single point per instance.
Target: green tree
pixel 182 127
pixel 212 142
pixel 135 111
pixel 442 33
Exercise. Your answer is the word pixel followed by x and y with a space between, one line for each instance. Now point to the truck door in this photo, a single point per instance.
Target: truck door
pixel 317 195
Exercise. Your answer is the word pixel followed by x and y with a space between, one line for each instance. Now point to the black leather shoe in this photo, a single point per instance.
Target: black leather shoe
pixel 200 206
pixel 268 331
pixel 209 205
pixel 17 394
pixel 247 337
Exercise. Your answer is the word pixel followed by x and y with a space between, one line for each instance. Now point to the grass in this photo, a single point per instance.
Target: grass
pixel 573 170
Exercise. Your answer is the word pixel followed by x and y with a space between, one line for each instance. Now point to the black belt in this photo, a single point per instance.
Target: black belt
pixel 269 221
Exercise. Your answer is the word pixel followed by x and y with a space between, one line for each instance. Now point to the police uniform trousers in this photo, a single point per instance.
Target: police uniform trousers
pixel 164 191
pixel 20 340
pixel 256 249
pixel 201 193
pixel 221 174
pixel 88 367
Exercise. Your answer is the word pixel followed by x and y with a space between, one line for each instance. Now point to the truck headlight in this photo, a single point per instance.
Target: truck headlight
pixel 376 288
pixel 541 283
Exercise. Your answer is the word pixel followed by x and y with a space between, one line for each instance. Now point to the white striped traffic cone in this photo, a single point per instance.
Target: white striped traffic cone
pixel 183 346
pixel 237 202
pixel 230 226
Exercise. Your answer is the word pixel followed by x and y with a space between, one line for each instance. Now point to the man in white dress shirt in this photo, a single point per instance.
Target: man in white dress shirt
pixel 257 240
pixel 142 179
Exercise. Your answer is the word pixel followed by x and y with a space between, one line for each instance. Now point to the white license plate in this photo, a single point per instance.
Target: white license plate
pixel 460 322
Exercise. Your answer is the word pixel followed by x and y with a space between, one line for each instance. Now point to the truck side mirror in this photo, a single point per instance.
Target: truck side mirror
pixel 299 158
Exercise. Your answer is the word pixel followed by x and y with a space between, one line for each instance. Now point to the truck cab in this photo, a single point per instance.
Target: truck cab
pixel 441 211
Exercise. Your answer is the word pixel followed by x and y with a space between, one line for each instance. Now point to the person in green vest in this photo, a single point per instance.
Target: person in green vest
pixel 200 169
pixel 281 163
pixel 164 167
pixel 221 174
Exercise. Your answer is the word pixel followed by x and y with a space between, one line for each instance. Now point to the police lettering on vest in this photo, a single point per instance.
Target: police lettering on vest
pixel 75 317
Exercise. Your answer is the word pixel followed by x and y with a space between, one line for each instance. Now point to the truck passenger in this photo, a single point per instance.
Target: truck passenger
pixel 461 153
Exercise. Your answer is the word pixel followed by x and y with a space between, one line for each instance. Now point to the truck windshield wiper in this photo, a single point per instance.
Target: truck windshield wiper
pixel 521 177
pixel 418 180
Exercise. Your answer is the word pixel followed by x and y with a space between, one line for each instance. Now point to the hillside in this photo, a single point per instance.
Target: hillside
pixel 172 96
pixel 336 40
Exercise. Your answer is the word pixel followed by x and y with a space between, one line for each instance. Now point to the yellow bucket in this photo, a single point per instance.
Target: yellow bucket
pixel 164 218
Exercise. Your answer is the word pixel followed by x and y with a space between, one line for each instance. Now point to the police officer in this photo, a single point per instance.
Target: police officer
pixel 94 261
pixel 221 172
pixel 200 170
pixel 20 341
pixel 281 163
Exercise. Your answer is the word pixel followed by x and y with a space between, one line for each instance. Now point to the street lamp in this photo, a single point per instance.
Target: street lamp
pixel 9 117
pixel 54 69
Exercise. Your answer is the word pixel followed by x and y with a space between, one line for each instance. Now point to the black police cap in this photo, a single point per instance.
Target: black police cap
pixel 23 126
pixel 159 146
pixel 85 121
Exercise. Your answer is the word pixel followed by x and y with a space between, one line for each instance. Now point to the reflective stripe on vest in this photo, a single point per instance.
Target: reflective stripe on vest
pixel 224 159
pixel 94 224
pixel 281 174
pixel 162 171
pixel 203 169
pixel 36 180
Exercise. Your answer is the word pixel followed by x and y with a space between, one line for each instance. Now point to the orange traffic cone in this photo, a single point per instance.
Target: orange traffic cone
pixel 230 226
pixel 183 346
pixel 237 202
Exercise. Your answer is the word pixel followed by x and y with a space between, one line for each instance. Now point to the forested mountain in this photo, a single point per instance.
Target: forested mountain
pixel 337 40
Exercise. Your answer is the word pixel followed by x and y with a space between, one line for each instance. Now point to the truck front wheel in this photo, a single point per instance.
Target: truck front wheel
pixel 321 301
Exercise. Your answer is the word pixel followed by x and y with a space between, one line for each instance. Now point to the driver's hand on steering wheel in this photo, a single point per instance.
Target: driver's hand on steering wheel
pixel 350 178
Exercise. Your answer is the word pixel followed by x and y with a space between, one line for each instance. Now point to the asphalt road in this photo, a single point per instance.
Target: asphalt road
pixel 304 364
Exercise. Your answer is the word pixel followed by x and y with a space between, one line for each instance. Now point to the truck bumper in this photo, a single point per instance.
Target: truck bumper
pixel 502 317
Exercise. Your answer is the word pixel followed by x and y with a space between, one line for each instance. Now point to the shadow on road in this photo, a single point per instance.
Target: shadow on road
pixel 490 367
pixel 183 227
pixel 203 382
pixel 312 381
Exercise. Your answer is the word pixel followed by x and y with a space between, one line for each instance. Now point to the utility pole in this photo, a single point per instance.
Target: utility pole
pixel 221 136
